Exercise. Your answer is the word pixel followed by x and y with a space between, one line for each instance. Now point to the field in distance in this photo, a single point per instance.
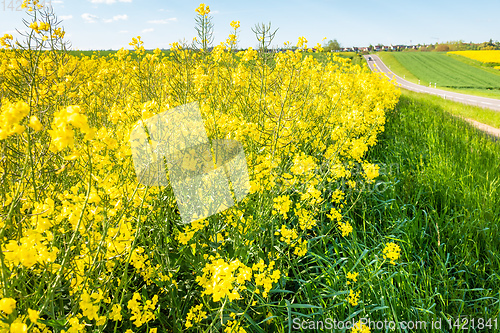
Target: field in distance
pixel 448 72
pixel 355 57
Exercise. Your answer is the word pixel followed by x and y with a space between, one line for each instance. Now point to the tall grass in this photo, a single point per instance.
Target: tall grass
pixel 438 193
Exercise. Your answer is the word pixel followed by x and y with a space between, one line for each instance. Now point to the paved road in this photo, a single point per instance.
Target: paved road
pixel 484 102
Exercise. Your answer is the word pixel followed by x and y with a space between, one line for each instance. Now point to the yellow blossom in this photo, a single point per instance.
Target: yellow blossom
pixel 352 276
pixel 7 305
pixel 353 297
pixel 35 123
pixel 18 327
pixel 392 251
pixel 203 10
pixel 359 327
pixel 195 315
pixel 235 24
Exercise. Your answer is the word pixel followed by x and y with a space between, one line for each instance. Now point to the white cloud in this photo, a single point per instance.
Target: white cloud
pixel 89 18
pixel 66 17
pixel 124 31
pixel 148 30
pixel 172 19
pixel 117 18
pixel 109 2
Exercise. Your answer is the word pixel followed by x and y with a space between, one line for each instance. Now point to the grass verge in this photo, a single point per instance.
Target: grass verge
pixel 482 115
pixel 438 196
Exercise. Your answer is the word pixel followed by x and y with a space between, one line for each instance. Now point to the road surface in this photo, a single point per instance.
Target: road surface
pixel 484 102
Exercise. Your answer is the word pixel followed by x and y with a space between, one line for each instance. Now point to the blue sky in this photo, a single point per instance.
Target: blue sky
pixel 111 24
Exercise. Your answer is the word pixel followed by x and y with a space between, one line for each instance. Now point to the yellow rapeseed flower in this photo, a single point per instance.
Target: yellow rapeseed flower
pixel 195 315
pixel 359 327
pixel 353 297
pixel 17 327
pixel 35 124
pixel 203 10
pixel 235 24
pixel 3 40
pixel 352 276
pixel 392 251
pixel 7 305
pixel 33 315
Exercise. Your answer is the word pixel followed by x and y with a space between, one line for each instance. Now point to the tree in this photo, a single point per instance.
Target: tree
pixel 442 48
pixel 332 45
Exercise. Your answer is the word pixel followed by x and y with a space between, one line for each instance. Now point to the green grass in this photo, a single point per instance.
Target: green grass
pixel 449 73
pixel 395 66
pixel 438 196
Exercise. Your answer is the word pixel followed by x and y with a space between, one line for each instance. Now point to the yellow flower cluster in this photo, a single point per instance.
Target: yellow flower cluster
pixel 40 26
pixel 371 171
pixel 234 326
pixel 486 56
pixel 31 249
pixel 142 314
pixel 359 327
pixel 190 230
pixel 58 32
pixel 31 5
pixel 302 43
pixel 291 237
pixel 7 305
pixel 352 276
pixel 345 228
pixel 392 251
pixel 75 325
pixel 282 205
pixel 287 235
pixel 90 305
pixel 265 277
pixel 195 315
pixel 306 217
pixel 62 134
pixel 10 116
pixel 224 279
pixel 353 297
pixel 203 10
pixel 137 43
pixel 235 24
pixel 4 39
